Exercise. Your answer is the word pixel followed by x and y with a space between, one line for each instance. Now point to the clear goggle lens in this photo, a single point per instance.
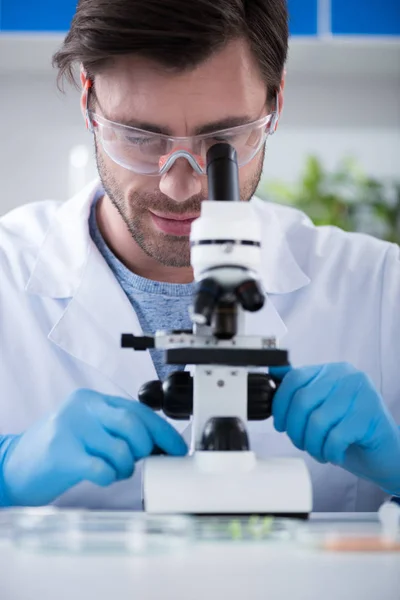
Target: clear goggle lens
pixel 150 153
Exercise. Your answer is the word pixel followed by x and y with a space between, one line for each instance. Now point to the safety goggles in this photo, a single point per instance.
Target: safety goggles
pixel 148 153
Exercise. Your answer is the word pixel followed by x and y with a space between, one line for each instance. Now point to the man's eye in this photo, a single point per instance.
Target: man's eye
pixel 223 138
pixel 139 141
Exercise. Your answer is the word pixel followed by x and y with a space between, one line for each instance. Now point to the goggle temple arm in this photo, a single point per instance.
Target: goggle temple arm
pixel 88 87
pixel 275 118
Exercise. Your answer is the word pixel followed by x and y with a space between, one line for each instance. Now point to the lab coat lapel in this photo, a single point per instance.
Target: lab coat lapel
pixel 90 329
pixel 280 273
pixel 69 266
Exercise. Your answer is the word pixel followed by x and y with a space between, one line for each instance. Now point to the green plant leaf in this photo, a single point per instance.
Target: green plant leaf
pixel 341 197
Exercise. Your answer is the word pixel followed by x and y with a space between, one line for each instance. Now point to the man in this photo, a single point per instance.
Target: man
pixel 162 80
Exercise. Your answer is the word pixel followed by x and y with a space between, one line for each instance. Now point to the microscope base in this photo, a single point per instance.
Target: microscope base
pixel 227 483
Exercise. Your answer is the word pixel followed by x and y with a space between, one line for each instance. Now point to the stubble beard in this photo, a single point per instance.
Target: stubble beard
pixel 168 250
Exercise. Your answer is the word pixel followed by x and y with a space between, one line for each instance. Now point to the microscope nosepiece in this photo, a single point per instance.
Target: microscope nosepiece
pixel 207 295
pixel 250 295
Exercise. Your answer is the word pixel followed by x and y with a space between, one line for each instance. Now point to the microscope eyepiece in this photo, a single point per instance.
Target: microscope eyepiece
pixel 223 173
pixel 222 151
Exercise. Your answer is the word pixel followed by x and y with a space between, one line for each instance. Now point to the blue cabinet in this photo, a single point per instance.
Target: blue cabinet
pixel 51 15
pixel 303 17
pixel 48 15
pixel 366 17
pixel 349 17
pixel 36 15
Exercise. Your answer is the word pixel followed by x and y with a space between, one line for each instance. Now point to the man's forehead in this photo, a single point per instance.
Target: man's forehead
pixel 134 89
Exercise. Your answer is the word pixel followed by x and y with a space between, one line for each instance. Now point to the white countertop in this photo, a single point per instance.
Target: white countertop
pixel 207 570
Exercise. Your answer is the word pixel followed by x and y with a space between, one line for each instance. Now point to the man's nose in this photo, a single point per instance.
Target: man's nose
pixel 180 182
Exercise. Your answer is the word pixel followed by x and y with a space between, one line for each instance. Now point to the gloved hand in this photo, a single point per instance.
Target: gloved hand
pixel 91 437
pixel 334 413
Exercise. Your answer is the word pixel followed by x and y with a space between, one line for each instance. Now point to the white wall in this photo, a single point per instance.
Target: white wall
pixel 331 109
pixel 335 117
pixel 38 129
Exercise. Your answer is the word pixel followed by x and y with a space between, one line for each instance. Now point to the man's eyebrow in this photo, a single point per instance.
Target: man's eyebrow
pixel 203 129
pixel 224 124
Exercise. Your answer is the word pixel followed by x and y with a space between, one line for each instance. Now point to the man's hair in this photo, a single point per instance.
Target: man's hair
pixel 178 34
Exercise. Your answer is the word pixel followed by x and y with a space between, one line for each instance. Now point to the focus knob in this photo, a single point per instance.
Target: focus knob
pixel 178 395
pixel 151 394
pixel 261 389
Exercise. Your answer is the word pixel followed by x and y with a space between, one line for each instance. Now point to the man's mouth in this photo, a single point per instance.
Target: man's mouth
pixel 174 224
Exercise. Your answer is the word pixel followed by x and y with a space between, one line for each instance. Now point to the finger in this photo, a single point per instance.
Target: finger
pixel 97 471
pixel 353 428
pixel 279 372
pixel 336 444
pixel 322 420
pixel 164 435
pixel 93 398
pixel 292 382
pixel 126 425
pixel 114 450
pixel 141 427
pixel 304 402
pixel 161 432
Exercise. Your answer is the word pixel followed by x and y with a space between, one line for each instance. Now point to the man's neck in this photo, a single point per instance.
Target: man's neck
pixel 120 241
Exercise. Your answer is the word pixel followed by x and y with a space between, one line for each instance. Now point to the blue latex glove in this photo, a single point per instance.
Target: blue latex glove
pixel 334 413
pixel 92 437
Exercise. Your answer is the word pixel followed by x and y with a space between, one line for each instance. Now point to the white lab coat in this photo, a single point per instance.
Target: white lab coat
pixel 332 296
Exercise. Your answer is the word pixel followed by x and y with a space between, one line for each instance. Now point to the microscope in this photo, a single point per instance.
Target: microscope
pixel 228 384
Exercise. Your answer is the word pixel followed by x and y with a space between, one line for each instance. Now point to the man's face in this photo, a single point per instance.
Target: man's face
pixel 227 86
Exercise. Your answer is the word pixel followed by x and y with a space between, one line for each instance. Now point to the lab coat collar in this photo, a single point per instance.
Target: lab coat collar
pixel 63 257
